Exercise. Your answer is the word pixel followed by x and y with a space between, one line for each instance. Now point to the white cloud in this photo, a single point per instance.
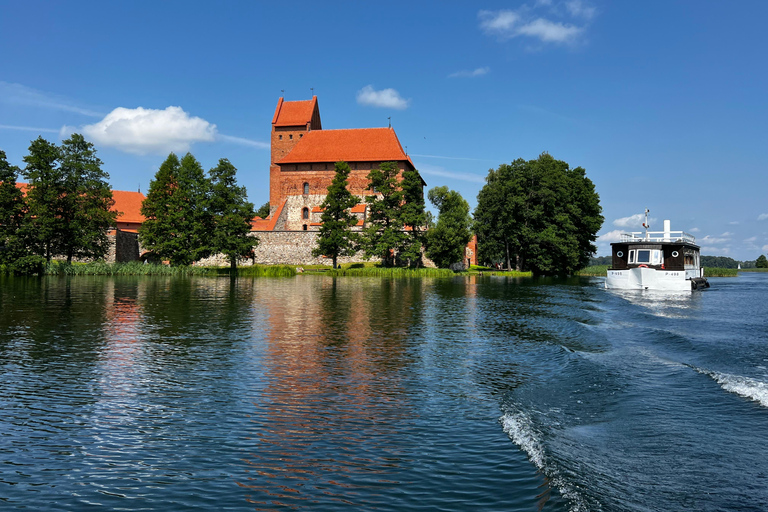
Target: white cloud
pixel 386 98
pixel 633 221
pixel 27 129
pixel 694 230
pixel 580 9
pixel 144 130
pixel 715 251
pixel 762 216
pixel 734 223
pixel 751 239
pixel 506 24
pixel 470 74
pixel 443 173
pixel 611 236
pixel 18 94
pixel 765 248
pixel 714 240
pixel 727 234
pixel 244 142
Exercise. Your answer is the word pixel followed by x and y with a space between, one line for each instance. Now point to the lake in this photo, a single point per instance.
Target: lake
pixel 319 393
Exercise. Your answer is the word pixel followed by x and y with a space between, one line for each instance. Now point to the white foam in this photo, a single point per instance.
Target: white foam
pixel 519 427
pixel 743 386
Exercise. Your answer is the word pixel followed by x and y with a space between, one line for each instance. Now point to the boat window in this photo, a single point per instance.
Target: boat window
pixel 644 256
pixel 631 256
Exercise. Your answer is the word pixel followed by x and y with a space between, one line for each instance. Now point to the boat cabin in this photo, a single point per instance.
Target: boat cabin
pixel 663 255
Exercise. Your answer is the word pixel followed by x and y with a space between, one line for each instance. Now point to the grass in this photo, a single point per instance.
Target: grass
pixel 373 271
pixel 596 270
pixel 135 268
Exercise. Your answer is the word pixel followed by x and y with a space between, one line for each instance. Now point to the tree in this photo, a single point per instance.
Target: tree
pixel 232 214
pixel 384 236
pixel 336 237
pixel 761 261
pixel 447 240
pixel 12 212
pixel 44 223
pixel 87 203
pixel 539 212
pixel 263 211
pixel 413 217
pixel 178 223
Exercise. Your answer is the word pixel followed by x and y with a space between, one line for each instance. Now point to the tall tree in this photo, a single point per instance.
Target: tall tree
pixel 87 203
pixel 178 222
pixel 540 212
pixel 45 199
pixel 413 216
pixel 384 235
pixel 232 214
pixel 263 210
pixel 448 239
pixel 12 211
pixel 336 237
pixel 761 261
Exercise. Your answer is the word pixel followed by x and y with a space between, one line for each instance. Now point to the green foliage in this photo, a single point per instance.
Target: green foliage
pixel 336 238
pixel 178 223
pixel 87 211
pixel 12 212
pixel 136 268
pixel 724 262
pixel 601 260
pixel 540 213
pixel 761 262
pixel 593 270
pixel 263 211
pixel 232 214
pixel 384 236
pixel 414 217
pixel 45 199
pixel 447 240
pixel 721 272
pixel 32 264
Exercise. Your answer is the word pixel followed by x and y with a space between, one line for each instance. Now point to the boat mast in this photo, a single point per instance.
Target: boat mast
pixel 645 224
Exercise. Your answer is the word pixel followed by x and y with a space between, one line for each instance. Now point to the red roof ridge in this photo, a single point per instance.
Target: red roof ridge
pixel 259 224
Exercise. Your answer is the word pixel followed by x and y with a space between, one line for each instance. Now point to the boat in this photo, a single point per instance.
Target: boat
pixel 656 260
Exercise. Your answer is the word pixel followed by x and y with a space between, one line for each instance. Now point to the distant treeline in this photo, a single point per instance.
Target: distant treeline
pixel 706 261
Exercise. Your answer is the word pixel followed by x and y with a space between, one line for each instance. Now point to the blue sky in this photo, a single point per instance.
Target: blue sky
pixel 663 103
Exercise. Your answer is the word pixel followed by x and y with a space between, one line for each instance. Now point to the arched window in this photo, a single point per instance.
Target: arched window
pixel 306 188
pixel 305 227
pixel 305 213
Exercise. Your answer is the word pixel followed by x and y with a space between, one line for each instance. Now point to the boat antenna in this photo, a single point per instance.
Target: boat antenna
pixel 645 224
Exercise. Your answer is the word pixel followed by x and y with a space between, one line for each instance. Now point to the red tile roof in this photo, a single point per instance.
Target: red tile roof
pixel 294 113
pixel 129 205
pixel 354 145
pixel 360 208
pixel 259 224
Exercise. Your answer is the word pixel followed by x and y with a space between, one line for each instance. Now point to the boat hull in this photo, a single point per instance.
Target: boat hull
pixel 648 279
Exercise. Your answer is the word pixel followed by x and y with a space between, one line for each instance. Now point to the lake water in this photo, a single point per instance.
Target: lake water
pixel 315 393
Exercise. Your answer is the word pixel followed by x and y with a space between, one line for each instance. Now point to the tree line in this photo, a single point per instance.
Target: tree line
pixel 67 208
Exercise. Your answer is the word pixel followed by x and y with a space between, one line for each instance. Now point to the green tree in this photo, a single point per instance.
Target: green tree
pixel 178 222
pixel 384 235
pixel 12 212
pixel 87 203
pixel 761 261
pixel 336 237
pixel 413 216
pixel 447 240
pixel 263 211
pixel 232 214
pixel 541 213
pixel 44 223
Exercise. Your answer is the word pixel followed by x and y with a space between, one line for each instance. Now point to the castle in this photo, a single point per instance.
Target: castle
pixel 302 164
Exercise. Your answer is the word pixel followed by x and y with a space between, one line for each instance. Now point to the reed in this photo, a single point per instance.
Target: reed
pixel 135 268
pixel 595 270
pixel 720 272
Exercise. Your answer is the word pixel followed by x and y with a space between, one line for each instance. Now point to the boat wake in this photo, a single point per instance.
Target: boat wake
pixel 742 386
pixel 521 430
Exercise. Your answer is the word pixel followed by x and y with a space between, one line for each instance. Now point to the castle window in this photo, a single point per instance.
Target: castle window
pixel 306 188
pixel 280 137
pixel 290 136
pixel 310 167
pixel 301 135
pixel 305 227
pixel 305 213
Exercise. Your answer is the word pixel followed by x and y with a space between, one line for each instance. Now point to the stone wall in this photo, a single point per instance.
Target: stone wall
pixel 123 247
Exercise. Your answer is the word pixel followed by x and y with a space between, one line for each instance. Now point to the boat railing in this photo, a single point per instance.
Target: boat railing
pixel 658 236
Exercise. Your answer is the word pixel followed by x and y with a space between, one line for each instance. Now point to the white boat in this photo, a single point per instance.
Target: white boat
pixel 656 260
